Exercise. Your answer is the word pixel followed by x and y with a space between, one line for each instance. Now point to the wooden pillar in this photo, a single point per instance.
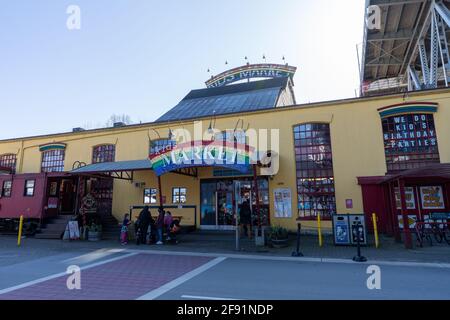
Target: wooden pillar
pixel 394 215
pixel 161 204
pixel 256 189
pixel 406 231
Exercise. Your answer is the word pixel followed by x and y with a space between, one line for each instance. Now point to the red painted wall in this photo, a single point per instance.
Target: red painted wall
pixel 18 204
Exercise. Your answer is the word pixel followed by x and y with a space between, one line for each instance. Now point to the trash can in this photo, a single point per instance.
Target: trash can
pixel 341 230
pixel 358 223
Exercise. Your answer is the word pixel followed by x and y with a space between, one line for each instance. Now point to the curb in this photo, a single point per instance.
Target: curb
pixel 295 259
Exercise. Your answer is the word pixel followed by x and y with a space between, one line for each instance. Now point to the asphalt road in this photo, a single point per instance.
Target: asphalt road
pixel 274 280
pixel 187 276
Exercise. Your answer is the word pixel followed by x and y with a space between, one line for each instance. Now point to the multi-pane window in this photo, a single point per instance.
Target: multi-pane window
pixel 238 137
pixel 29 188
pixel 315 178
pixel 150 195
pixel 161 144
pixel 104 153
pixel 178 195
pixel 8 161
pixel 53 160
pixel 410 141
pixel 7 188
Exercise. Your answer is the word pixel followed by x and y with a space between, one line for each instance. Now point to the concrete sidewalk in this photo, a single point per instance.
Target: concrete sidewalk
pixel 224 243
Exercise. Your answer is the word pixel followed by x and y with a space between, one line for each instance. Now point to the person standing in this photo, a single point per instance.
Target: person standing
pixel 168 219
pixel 246 218
pixel 144 221
pixel 160 226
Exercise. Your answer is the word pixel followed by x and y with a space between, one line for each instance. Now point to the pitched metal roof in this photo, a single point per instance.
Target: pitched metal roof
pixel 437 170
pixel 241 97
pixel 118 166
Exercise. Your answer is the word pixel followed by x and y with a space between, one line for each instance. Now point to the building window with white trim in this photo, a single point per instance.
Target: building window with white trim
pixel 104 153
pixel 150 195
pixel 179 195
pixel 8 161
pixel 53 160
pixel 315 177
pixel 7 188
pixel 29 188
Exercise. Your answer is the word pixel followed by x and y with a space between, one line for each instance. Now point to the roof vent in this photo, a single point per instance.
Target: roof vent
pixel 119 124
pixel 78 129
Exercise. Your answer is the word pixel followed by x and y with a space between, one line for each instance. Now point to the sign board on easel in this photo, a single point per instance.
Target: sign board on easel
pixel 74 231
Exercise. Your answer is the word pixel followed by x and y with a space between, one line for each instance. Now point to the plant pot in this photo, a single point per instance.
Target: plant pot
pixel 279 243
pixel 94 236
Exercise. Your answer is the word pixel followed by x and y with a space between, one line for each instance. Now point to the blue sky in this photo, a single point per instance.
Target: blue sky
pixel 140 57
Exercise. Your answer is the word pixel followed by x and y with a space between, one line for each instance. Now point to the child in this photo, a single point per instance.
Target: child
pixel 124 230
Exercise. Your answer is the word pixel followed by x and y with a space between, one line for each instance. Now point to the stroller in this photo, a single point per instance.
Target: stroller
pixel 175 229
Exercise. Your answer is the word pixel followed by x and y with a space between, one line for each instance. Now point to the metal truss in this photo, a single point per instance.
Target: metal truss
pixel 436 26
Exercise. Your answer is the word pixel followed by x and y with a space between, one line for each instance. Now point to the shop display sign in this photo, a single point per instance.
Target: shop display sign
pixel 52 203
pixel 410 132
pixel 283 203
pixel 432 197
pixel 412 220
pixel 409 197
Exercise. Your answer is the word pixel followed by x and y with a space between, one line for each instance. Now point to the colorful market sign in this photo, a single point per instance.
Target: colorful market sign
pixel 251 71
pixel 202 154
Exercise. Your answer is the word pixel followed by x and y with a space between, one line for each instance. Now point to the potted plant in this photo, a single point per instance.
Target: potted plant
pixel 94 232
pixel 278 237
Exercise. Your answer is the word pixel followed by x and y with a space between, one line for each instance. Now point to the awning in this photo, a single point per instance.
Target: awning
pixel 5 170
pixel 433 171
pixel 118 169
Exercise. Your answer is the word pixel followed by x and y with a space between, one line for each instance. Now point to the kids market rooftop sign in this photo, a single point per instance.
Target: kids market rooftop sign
pixel 251 71
pixel 202 154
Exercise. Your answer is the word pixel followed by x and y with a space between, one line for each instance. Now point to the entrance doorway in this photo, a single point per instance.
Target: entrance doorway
pixel 218 202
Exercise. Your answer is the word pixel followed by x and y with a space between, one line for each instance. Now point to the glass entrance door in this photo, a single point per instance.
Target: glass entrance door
pixel 225 210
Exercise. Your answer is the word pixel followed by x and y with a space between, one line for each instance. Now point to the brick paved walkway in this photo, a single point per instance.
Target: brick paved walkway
pixel 128 278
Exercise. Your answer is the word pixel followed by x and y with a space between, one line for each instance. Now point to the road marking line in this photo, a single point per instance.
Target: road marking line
pixel 180 280
pixel 205 298
pixel 57 275
pixel 91 256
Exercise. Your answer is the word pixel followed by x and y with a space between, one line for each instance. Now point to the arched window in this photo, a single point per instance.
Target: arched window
pixel 315 177
pixel 8 161
pixel 104 153
pixel 53 160
pixel 410 141
pixel 160 144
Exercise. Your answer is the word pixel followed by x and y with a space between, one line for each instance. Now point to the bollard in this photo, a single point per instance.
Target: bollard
pixel 358 257
pixel 375 230
pixel 319 230
pixel 297 253
pixel 19 236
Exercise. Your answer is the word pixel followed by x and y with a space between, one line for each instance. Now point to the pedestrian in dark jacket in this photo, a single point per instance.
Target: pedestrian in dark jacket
pixel 160 225
pixel 246 218
pixel 144 222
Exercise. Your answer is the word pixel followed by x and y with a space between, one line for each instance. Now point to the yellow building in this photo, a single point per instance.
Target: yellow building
pixel 318 154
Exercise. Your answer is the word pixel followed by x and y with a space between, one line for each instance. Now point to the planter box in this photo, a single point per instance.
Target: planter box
pixel 281 243
pixel 94 236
